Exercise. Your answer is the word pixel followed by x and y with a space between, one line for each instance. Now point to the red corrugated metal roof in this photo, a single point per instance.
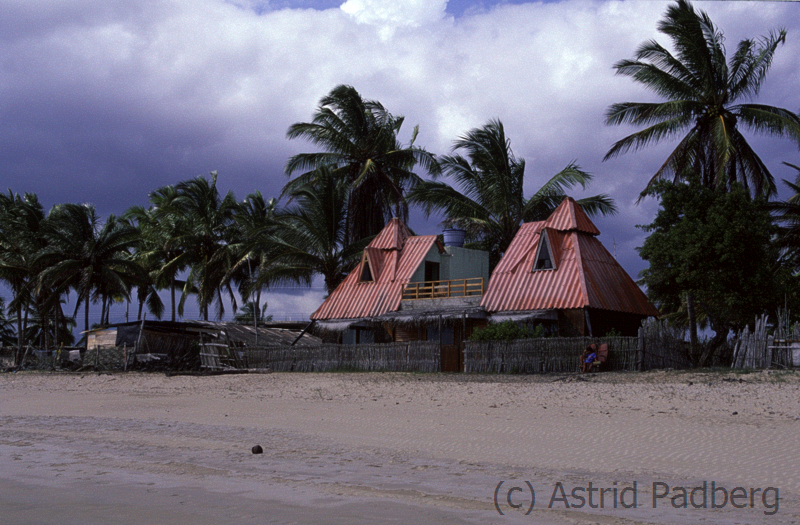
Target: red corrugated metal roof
pixel 585 274
pixel 394 255
pixel 570 216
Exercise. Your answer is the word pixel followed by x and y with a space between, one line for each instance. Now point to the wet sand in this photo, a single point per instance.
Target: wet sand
pixel 404 448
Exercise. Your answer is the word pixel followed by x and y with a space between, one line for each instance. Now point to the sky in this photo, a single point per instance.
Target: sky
pixel 103 102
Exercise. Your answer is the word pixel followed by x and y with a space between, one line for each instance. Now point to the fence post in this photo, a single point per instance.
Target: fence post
pixel 639 364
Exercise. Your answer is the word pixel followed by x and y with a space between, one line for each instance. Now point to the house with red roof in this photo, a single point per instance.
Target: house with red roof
pixel 408 288
pixel 557 273
pixel 414 288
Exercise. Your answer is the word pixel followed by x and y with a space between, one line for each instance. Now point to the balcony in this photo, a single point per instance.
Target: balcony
pixel 473 286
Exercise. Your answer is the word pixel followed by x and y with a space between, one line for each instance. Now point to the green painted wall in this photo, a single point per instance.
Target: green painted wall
pixel 456 263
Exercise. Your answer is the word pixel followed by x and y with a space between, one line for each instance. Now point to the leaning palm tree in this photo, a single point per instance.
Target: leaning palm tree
pixel 359 139
pixel 703 104
pixel 86 255
pixel 488 199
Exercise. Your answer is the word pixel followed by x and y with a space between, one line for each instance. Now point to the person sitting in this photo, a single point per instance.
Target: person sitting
pixel 587 358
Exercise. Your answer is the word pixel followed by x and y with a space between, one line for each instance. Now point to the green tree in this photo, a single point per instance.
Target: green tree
pixel 204 219
pixel 7 335
pixel 86 255
pixel 715 247
pixel 250 311
pixel 703 103
pixel 488 199
pixel 360 145
pixel 787 214
pixel 159 251
pixel 508 331
pixel 251 246
pixel 313 236
pixel 21 222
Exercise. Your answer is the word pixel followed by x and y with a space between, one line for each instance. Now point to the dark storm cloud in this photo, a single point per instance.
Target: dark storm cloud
pixel 104 102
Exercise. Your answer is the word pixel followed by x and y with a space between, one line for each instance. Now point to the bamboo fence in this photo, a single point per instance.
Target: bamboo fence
pixel 548 355
pixel 658 346
pixel 394 357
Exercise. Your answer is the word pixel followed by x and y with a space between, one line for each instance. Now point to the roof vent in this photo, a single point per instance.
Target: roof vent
pixel 454 237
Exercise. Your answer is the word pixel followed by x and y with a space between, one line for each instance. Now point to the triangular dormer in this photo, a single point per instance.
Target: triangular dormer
pixel 545 259
pixel 366 272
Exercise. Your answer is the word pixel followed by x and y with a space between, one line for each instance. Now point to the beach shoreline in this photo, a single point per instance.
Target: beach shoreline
pixel 367 447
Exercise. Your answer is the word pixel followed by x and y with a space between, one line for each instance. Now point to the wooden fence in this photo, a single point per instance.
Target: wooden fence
pixel 760 349
pixel 658 346
pixel 395 357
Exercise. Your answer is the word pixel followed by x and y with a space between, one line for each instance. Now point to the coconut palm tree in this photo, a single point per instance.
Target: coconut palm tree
pixel 488 198
pixel 313 235
pixel 159 251
pixel 204 219
pixel 359 139
pixel 251 245
pixel 787 215
pixel 86 255
pixel 704 103
pixel 7 335
pixel 21 221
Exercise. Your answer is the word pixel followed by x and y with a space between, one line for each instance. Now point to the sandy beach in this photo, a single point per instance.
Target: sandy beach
pixel 400 448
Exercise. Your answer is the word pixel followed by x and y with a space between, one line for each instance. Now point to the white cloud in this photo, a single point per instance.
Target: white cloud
pixel 395 13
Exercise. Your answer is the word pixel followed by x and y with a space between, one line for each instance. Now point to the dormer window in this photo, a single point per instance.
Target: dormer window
pixel 366 274
pixel 544 258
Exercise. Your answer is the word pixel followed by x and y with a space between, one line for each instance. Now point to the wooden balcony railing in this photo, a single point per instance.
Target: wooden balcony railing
pixel 443 289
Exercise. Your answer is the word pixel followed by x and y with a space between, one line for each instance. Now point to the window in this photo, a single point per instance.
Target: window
pixel 366 274
pixel 544 260
pixel 432 333
pixel 431 271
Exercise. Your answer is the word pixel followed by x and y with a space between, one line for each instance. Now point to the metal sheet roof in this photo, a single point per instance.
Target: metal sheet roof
pixel 394 255
pixel 585 274
pixel 570 216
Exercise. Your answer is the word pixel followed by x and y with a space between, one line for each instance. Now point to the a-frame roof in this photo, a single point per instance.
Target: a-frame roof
pixel 585 276
pixel 393 256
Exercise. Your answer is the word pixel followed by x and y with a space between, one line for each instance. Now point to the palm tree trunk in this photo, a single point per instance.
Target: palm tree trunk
pixel 46 328
pixel 19 334
pixel 55 323
pixel 86 319
pixel 172 295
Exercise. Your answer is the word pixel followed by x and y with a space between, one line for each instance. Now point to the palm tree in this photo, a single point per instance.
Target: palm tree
pixel 159 251
pixel 92 258
pixel 359 139
pixel 204 219
pixel 21 221
pixel 703 94
pixel 787 214
pixel 251 246
pixel 488 200
pixel 251 313
pixel 7 336
pixel 313 236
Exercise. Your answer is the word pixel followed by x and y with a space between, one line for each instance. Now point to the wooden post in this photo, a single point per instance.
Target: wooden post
pixel 640 351
pixel 139 339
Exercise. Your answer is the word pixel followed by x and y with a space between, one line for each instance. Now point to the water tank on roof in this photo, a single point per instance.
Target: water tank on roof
pixel 454 237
